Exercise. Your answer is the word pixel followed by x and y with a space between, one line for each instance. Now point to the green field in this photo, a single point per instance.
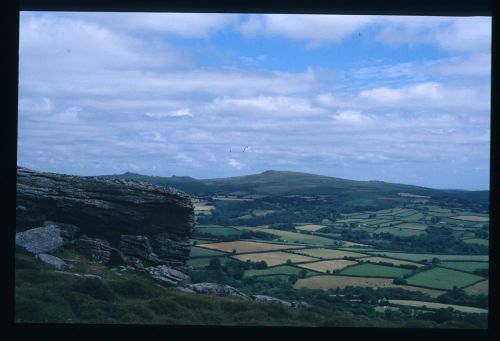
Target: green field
pixel 465 266
pixel 202 252
pixel 277 270
pixel 375 270
pixel 327 253
pixel 434 305
pixel 442 278
pixel 400 232
pixel 418 257
pixel 478 241
pixel 218 231
pixel 295 237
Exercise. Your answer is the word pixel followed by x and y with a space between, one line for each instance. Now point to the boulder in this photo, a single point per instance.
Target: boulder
pixel 143 223
pixel 217 290
pixel 167 276
pixel 56 262
pixel 40 240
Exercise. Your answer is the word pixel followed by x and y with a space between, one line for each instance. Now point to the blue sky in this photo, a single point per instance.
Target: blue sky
pixel 397 99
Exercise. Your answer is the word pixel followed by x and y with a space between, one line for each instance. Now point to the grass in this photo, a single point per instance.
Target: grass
pixel 276 270
pixel 396 262
pixel 418 257
pixel 474 218
pixel 442 278
pixel 375 270
pixel 415 226
pixel 400 232
pixel 295 237
pixel 328 253
pixel 465 266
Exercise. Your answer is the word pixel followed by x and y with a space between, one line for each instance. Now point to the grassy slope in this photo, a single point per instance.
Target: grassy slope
pixel 42 296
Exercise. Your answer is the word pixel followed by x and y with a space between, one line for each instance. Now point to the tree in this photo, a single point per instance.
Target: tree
pixel 302 273
pixel 214 264
pixel 288 262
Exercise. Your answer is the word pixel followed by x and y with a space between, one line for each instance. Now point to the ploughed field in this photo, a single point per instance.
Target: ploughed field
pixel 318 257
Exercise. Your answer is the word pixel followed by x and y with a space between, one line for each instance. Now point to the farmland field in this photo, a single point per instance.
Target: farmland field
pixel 389 260
pixel 417 257
pixel 276 270
pixel 480 288
pixel 309 227
pixel 400 232
pixel 465 266
pixel 415 226
pixel 333 282
pixel 471 218
pixel 442 278
pixel 218 231
pixel 434 305
pixel 201 252
pixel 328 253
pixel 295 237
pixel 244 246
pixel 375 270
pixel 325 265
pixel 274 258
pixel 478 241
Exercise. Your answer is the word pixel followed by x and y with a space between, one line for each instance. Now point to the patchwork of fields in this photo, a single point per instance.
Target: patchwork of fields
pixel 320 258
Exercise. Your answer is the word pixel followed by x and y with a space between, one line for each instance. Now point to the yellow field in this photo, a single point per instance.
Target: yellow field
pixel 243 246
pixel 434 305
pixel 310 227
pixel 389 260
pixel 325 265
pixel 333 282
pixel 328 253
pixel 415 226
pixel 478 288
pixel 471 218
pixel 274 258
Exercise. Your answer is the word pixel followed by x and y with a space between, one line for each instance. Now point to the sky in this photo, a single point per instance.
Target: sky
pixel 397 99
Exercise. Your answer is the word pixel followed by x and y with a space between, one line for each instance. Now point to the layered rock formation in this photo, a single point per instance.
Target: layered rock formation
pixel 110 220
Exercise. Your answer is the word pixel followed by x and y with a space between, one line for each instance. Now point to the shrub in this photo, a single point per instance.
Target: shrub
pixel 133 288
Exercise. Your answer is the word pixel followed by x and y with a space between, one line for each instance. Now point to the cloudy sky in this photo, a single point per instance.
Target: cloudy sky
pixel 398 99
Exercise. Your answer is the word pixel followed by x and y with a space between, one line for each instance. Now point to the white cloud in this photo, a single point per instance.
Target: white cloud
pixel 176 113
pixel 235 164
pixel 350 117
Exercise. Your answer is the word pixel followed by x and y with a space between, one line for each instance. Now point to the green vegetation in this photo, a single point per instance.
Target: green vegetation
pixel 465 266
pixel 418 257
pixel 442 278
pixel 375 270
pixel 202 252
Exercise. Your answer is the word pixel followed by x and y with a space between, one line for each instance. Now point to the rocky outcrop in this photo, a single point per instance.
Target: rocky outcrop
pixel 215 289
pixel 264 298
pixel 167 276
pixel 108 219
pixel 56 262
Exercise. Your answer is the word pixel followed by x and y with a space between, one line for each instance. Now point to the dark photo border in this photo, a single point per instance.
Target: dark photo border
pixel 10 22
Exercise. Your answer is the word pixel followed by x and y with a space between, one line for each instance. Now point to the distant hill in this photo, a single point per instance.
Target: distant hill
pixel 281 183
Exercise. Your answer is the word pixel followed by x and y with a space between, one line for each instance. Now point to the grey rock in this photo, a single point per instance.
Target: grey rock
pixel 264 298
pixel 40 240
pixel 76 274
pixel 217 290
pixel 158 220
pixel 98 250
pixel 56 262
pixel 68 231
pixel 166 275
